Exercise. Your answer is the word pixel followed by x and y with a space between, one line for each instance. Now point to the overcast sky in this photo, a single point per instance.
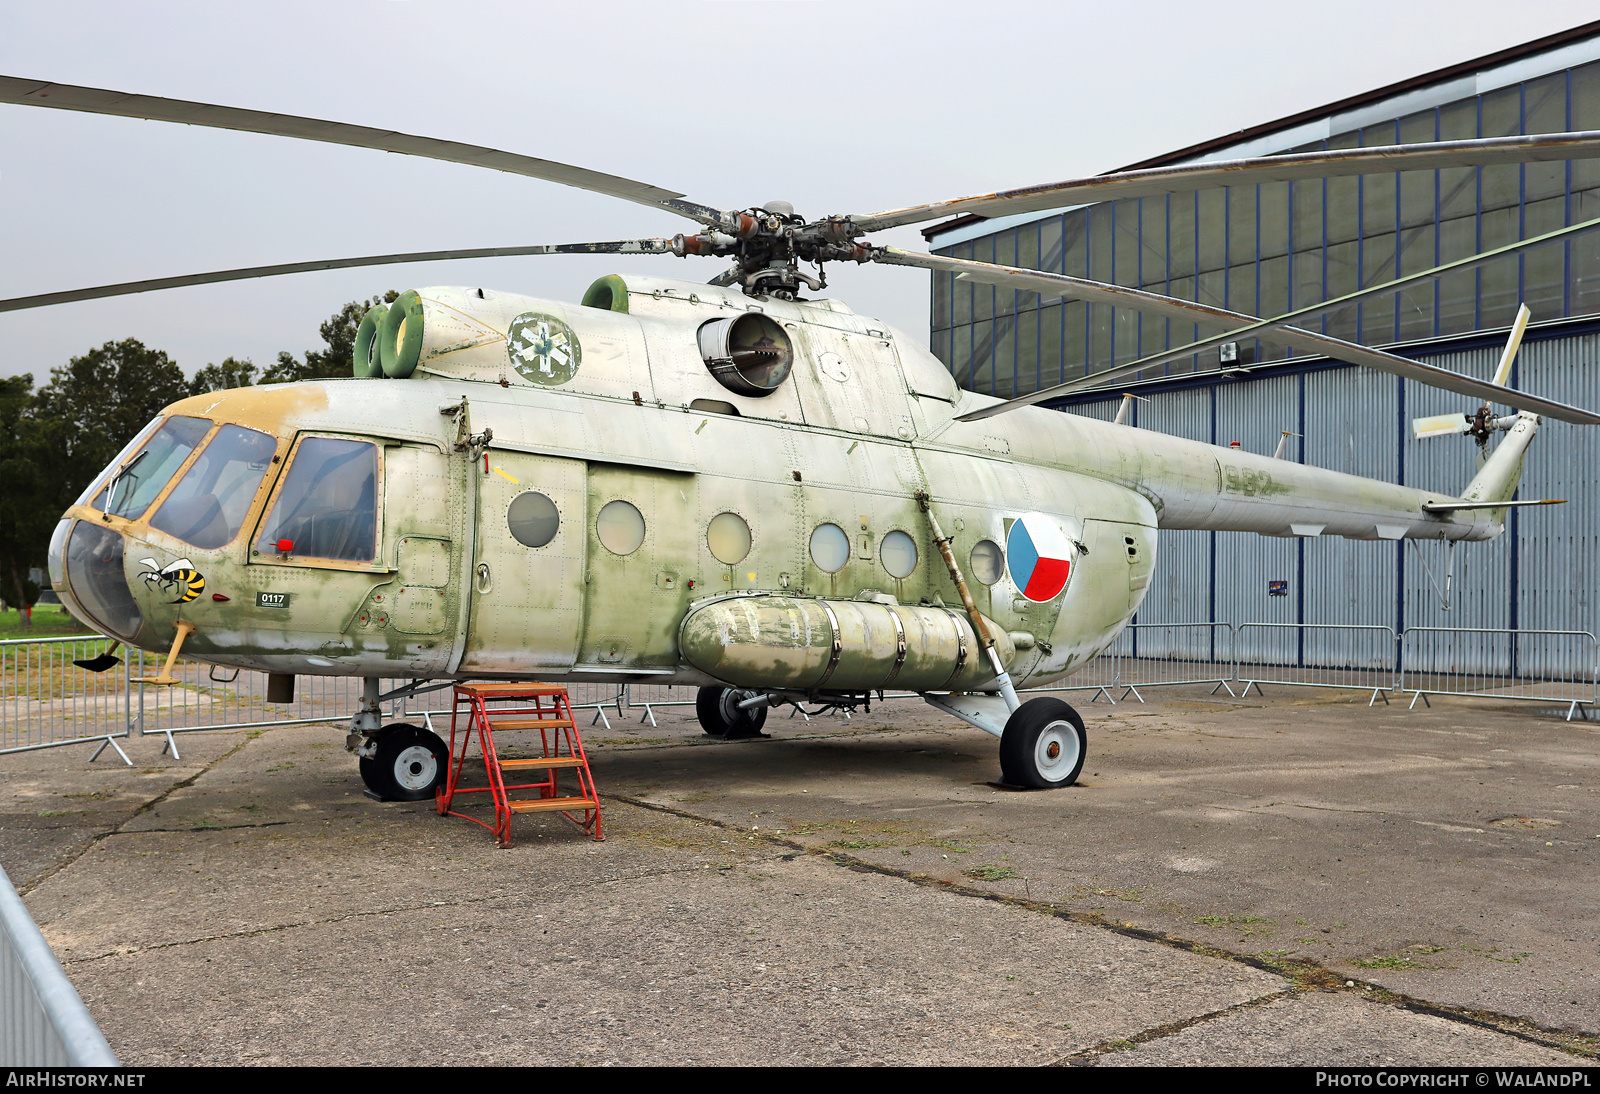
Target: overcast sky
pixel 836 107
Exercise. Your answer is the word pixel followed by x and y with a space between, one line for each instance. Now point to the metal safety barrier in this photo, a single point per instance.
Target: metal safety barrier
pixel 1150 655
pixel 46 701
pixel 43 1022
pixel 647 697
pixel 208 698
pixel 1485 663
pixel 1316 655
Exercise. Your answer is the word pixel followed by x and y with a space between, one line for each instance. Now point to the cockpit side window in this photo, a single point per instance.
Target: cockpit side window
pixel 327 506
pixel 209 504
pixel 129 492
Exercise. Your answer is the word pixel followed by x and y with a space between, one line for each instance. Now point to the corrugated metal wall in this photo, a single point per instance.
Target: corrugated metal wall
pixel 1540 575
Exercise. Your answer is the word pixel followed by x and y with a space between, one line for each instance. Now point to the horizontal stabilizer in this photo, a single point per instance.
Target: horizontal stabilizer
pixel 1457 506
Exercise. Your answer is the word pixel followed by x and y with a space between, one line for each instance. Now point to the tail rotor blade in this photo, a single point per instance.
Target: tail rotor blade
pixel 1502 372
pixel 1440 425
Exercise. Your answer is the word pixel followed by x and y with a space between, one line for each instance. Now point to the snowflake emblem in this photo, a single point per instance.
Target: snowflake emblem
pixel 543 349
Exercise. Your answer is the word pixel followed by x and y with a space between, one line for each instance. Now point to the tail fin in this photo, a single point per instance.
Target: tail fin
pixel 1501 473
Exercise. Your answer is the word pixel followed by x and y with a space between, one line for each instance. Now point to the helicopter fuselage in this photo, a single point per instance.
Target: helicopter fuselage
pixel 559 492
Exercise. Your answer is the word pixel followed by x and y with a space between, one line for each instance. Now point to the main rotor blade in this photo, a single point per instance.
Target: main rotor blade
pixel 1257 330
pixel 1188 177
pixel 126 288
pixel 26 92
pixel 1053 284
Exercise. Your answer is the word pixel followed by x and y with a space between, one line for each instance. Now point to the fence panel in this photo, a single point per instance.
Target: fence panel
pixel 46 700
pixel 647 697
pixel 43 1022
pixel 1317 655
pixel 1151 655
pixel 209 698
pixel 1540 665
pixel 206 698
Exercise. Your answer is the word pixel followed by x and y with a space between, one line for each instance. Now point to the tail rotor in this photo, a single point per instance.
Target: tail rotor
pixel 1485 422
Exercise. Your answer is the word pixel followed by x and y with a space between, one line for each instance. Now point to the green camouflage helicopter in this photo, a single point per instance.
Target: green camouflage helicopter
pixel 720 485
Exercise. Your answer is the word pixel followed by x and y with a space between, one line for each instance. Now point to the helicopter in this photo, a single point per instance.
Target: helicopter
pixel 739 485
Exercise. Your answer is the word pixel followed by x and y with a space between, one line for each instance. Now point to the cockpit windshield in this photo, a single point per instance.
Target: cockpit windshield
pixel 327 507
pixel 208 506
pixel 129 492
pixel 116 465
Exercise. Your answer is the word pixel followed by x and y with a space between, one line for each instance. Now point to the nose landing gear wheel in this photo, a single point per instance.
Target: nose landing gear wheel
pixel 720 716
pixel 1043 746
pixel 407 763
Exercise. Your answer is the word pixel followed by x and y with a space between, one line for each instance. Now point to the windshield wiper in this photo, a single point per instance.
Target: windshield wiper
pixel 111 487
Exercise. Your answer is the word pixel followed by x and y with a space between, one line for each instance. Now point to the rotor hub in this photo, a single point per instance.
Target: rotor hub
pixel 768 244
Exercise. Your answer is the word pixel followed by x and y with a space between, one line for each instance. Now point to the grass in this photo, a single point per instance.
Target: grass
pixel 1250 924
pixel 49 620
pixel 1398 962
pixel 990 873
pixel 1401 961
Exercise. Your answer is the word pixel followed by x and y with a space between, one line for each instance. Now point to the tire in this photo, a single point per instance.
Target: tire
pixel 1043 746
pixel 408 764
pixel 720 716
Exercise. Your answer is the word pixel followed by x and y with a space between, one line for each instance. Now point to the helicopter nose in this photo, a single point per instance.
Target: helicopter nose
pixel 95 579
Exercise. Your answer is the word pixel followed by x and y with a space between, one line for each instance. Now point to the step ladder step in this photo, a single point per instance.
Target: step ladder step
pixel 529 723
pixel 553 804
pixel 552 761
pixel 510 690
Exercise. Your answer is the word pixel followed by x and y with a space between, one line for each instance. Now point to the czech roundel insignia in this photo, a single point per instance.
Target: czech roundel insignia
pixel 1039 556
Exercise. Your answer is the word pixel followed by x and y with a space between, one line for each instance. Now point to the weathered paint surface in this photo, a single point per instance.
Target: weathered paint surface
pixel 846 645
pixel 862 425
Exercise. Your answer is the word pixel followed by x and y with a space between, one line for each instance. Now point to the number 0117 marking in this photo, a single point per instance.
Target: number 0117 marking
pixel 272 600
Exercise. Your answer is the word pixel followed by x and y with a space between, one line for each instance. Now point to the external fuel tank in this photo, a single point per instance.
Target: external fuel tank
pixel 811 643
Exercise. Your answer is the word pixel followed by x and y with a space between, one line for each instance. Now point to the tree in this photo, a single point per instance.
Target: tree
pixel 99 401
pixel 339 333
pixel 54 441
pixel 231 373
pixel 28 497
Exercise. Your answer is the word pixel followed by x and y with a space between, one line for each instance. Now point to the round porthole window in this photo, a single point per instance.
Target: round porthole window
pixel 728 537
pixel 620 527
pixel 899 554
pixel 533 519
pixel 830 548
pixel 987 562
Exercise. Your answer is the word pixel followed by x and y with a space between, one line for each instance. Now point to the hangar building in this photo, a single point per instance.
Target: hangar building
pixel 1269 248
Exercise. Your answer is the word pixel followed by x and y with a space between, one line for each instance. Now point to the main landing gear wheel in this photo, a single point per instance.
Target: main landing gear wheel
pixel 407 763
pixel 720 716
pixel 1043 746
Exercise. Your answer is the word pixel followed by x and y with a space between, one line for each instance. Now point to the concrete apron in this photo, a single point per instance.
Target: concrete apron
pixel 1303 882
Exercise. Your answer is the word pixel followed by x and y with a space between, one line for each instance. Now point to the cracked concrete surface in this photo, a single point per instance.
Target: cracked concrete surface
pixel 849 892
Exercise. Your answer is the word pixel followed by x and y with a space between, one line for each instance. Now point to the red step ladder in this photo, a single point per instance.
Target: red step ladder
pixel 544 707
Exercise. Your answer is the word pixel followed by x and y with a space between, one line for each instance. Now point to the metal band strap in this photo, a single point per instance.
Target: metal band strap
pixel 900 649
pixel 838 644
pixel 961 646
